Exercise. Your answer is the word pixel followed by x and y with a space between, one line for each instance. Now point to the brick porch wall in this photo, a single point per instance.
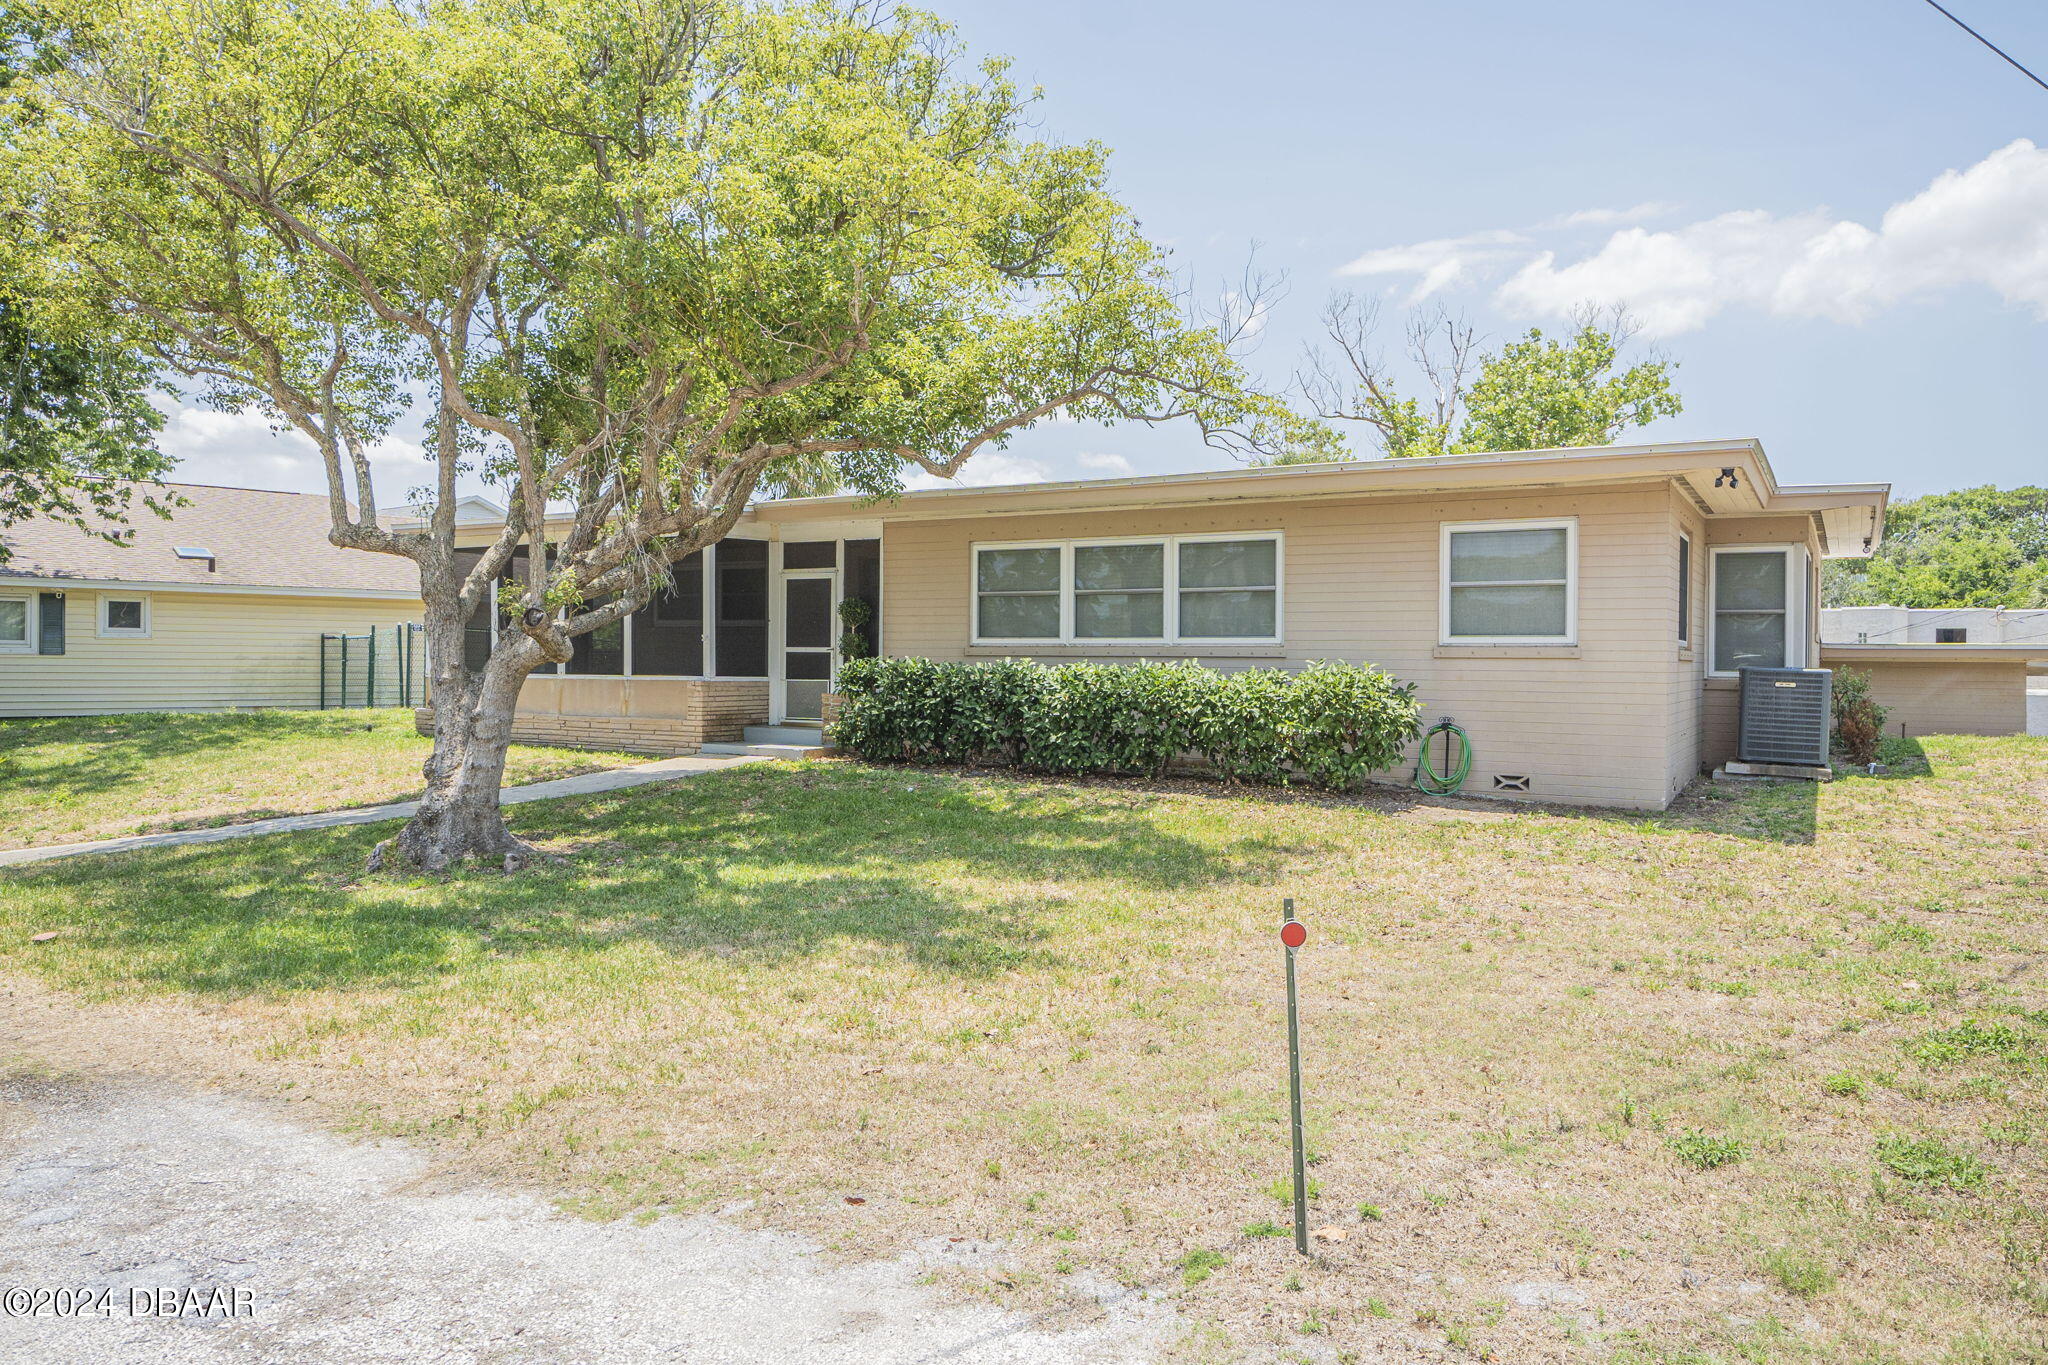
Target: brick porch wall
pixel 664 717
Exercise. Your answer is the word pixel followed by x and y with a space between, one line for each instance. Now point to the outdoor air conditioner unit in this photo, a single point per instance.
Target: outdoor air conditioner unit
pixel 1784 716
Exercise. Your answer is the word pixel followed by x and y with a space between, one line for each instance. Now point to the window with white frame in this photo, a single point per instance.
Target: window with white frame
pixel 1120 591
pixel 1685 590
pixel 1510 582
pixel 124 617
pixel 1229 589
pixel 1222 589
pixel 1755 618
pixel 1018 592
pixel 17 623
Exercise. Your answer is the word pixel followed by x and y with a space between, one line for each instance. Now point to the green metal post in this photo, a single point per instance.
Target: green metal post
pixel 1294 1097
pixel 323 670
pixel 370 678
pixel 344 670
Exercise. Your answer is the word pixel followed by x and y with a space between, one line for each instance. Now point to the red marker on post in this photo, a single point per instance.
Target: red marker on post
pixel 1293 933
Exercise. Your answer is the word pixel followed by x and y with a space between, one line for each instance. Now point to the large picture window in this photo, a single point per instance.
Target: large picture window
pixel 1221 589
pixel 1756 595
pixel 1510 582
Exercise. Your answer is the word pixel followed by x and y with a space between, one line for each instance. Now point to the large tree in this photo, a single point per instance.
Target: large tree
pixel 643 259
pixel 76 424
pixel 1534 393
pixel 1974 547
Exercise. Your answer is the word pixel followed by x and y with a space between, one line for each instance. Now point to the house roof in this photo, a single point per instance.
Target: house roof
pixel 2031 652
pixel 1726 478
pixel 257 540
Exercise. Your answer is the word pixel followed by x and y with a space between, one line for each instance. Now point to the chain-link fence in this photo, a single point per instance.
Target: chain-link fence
pixel 383 666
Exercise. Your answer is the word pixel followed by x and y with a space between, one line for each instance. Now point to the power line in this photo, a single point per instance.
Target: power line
pixel 1993 46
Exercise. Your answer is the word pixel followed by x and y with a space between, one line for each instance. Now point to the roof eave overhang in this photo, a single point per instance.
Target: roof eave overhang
pixel 2035 655
pixel 1705 465
pixel 59 583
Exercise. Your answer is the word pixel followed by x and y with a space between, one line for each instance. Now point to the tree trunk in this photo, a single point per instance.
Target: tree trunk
pixel 459 817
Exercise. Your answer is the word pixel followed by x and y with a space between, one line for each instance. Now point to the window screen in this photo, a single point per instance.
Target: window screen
pixel 1017 593
pixel 1229 589
pixel 1120 592
pixel 668 633
pixel 742 600
pixel 1750 612
pixel 1510 583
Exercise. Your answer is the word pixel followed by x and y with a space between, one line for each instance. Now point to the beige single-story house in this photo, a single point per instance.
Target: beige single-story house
pixel 223 605
pixel 1582 614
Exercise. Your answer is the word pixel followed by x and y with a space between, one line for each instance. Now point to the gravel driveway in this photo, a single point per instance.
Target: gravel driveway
pixel 295 1245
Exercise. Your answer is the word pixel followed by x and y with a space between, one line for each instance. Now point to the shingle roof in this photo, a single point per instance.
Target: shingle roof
pixel 258 539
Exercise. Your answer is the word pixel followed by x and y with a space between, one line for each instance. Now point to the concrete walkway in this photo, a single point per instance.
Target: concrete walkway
pixel 205 1229
pixel 662 770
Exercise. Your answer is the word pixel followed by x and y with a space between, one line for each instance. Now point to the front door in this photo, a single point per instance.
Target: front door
pixel 807 609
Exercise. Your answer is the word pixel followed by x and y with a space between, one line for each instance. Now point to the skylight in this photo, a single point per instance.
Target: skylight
pixel 194 552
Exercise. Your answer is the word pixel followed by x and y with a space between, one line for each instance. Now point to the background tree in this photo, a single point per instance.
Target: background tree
pixel 1974 547
pixel 646 259
pixel 76 424
pixel 1535 393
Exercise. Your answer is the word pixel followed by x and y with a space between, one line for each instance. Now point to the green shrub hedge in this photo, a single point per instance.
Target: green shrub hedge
pixel 1328 725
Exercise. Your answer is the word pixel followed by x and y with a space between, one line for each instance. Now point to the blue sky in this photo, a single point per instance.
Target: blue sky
pixel 1726 169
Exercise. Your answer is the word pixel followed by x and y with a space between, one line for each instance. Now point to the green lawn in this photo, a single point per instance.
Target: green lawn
pixel 70 778
pixel 1758 1079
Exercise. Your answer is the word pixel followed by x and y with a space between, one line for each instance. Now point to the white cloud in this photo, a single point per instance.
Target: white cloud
pixel 987 470
pixel 1672 281
pixel 1656 208
pixel 1982 227
pixel 240 449
pixel 1440 263
pixel 1103 461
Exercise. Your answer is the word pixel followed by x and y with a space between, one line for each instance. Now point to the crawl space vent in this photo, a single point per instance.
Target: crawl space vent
pixel 1511 782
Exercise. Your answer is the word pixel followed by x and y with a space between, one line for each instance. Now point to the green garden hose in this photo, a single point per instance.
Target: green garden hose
pixel 1442 781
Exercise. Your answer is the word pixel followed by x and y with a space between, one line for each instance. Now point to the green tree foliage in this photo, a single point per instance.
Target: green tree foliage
pixel 644 259
pixel 76 424
pixel 1534 393
pixel 1974 547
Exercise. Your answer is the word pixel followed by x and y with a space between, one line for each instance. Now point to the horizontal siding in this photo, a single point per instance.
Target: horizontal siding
pixel 1361 580
pixel 205 652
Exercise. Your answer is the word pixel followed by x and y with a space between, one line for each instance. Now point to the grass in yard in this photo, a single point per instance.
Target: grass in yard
pixel 885 1004
pixel 71 778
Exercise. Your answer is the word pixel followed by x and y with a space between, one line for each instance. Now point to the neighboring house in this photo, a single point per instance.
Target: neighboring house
pixel 1947 670
pixel 1934 626
pixel 221 606
pixel 1581 613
